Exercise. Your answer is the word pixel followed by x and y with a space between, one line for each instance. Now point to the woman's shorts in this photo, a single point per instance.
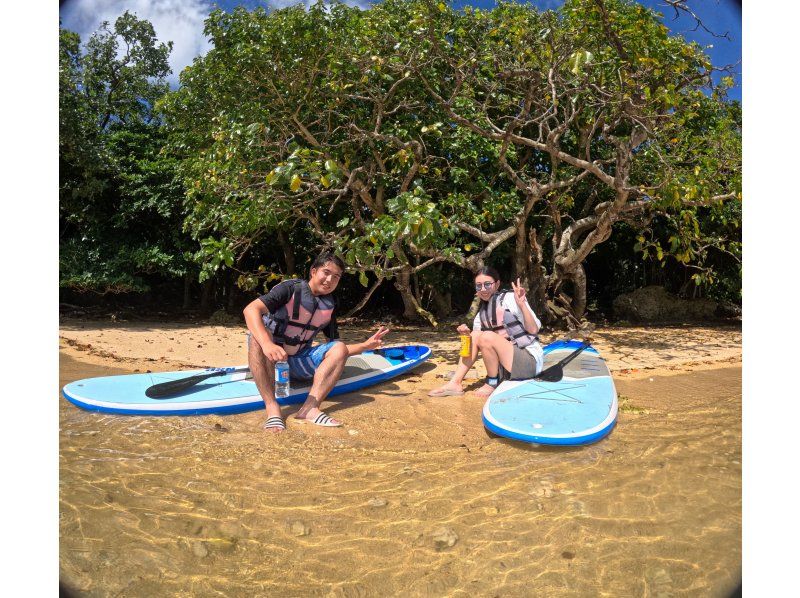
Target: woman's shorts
pixel 524 365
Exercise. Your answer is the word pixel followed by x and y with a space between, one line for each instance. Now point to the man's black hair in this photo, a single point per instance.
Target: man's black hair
pixel 325 257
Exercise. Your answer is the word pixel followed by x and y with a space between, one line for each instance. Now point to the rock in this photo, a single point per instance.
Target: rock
pixel 444 537
pixel 729 310
pixel 232 529
pixel 544 492
pixel 298 528
pixel 353 432
pixel 377 502
pixel 199 549
pixel 655 304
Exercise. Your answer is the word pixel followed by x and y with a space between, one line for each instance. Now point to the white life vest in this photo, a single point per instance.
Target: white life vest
pixel 496 318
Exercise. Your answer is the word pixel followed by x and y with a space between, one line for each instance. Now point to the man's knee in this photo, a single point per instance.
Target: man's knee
pixel 338 352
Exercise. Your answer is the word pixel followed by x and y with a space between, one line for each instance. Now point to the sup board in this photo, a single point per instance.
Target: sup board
pixel 581 408
pixel 233 392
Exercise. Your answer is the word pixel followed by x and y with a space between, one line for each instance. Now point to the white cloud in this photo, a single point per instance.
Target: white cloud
pixel 179 21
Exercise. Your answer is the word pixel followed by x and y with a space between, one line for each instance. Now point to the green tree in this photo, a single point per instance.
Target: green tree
pixel 120 200
pixel 600 117
pixel 410 135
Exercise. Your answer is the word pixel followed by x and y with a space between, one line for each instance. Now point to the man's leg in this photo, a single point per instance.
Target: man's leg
pixel 496 350
pixel 263 371
pixel 325 378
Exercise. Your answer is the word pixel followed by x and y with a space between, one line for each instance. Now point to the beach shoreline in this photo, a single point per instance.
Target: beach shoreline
pixel 631 352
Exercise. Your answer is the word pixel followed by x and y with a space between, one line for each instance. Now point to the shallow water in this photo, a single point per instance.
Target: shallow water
pixel 412 497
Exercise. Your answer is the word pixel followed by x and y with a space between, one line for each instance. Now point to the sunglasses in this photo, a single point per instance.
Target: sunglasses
pixel 485 285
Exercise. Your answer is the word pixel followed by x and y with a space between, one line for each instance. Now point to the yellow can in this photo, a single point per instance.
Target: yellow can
pixel 466 345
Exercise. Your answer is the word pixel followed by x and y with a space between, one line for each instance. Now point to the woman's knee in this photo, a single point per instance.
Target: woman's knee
pixel 486 338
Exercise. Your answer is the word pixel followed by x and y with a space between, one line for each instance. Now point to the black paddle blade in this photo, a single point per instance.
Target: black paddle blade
pixel 167 389
pixel 556 371
pixel 552 374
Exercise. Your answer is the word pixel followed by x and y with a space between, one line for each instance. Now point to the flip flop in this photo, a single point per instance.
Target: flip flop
pixel 274 422
pixel 323 419
pixel 445 392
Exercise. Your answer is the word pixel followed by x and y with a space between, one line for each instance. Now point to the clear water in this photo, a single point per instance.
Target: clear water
pixel 412 497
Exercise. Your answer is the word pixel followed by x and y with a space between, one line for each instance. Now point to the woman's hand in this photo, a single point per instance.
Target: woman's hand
pixel 463 329
pixel 519 293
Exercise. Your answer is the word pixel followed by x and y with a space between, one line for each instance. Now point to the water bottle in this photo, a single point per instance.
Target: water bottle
pixel 282 389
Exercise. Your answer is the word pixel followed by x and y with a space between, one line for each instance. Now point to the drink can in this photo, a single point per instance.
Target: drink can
pixel 466 345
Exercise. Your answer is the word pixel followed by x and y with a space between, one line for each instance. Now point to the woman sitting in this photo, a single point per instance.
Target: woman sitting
pixel 504 332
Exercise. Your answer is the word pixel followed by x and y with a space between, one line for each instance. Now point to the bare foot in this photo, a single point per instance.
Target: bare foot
pixel 485 390
pixel 448 390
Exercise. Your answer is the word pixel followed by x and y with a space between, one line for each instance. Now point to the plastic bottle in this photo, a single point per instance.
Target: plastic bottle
pixel 282 389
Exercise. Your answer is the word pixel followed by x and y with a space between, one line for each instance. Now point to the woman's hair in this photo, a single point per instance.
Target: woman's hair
pixel 488 271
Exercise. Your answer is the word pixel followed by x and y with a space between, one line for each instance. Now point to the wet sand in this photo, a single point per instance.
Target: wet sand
pixel 412 496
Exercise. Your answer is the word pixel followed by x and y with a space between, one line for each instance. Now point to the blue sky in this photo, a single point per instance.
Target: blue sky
pixel 181 21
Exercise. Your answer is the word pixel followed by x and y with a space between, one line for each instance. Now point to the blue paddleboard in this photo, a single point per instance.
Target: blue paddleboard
pixel 232 392
pixel 581 408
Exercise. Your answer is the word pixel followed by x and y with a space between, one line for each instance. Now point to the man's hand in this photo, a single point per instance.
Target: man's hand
pixel 376 340
pixel 519 293
pixel 463 329
pixel 274 352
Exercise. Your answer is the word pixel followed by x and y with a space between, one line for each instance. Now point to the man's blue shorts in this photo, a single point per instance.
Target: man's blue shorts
pixel 305 362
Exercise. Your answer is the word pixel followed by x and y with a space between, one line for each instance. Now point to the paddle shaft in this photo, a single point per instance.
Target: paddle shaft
pixel 165 390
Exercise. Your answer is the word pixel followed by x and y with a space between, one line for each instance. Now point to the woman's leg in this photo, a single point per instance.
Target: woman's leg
pixel 454 386
pixel 496 351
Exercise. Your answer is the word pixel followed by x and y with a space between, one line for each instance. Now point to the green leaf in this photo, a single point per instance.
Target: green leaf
pixel 362 278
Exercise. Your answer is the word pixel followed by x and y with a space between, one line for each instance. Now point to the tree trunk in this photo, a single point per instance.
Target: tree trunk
pixel 288 252
pixel 565 309
pixel 233 294
pixel 522 257
pixel 536 276
pixel 207 296
pixel 187 291
pixel 469 317
pixel 578 304
pixel 442 302
pixel 412 310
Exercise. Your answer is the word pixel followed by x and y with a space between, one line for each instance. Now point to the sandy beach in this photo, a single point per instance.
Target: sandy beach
pixel 631 352
pixel 412 496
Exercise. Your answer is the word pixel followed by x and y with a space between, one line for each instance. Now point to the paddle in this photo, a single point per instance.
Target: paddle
pixel 165 390
pixel 556 371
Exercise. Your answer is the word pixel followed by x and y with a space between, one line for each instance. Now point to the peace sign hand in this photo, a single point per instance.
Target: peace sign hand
pixel 376 340
pixel 519 292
